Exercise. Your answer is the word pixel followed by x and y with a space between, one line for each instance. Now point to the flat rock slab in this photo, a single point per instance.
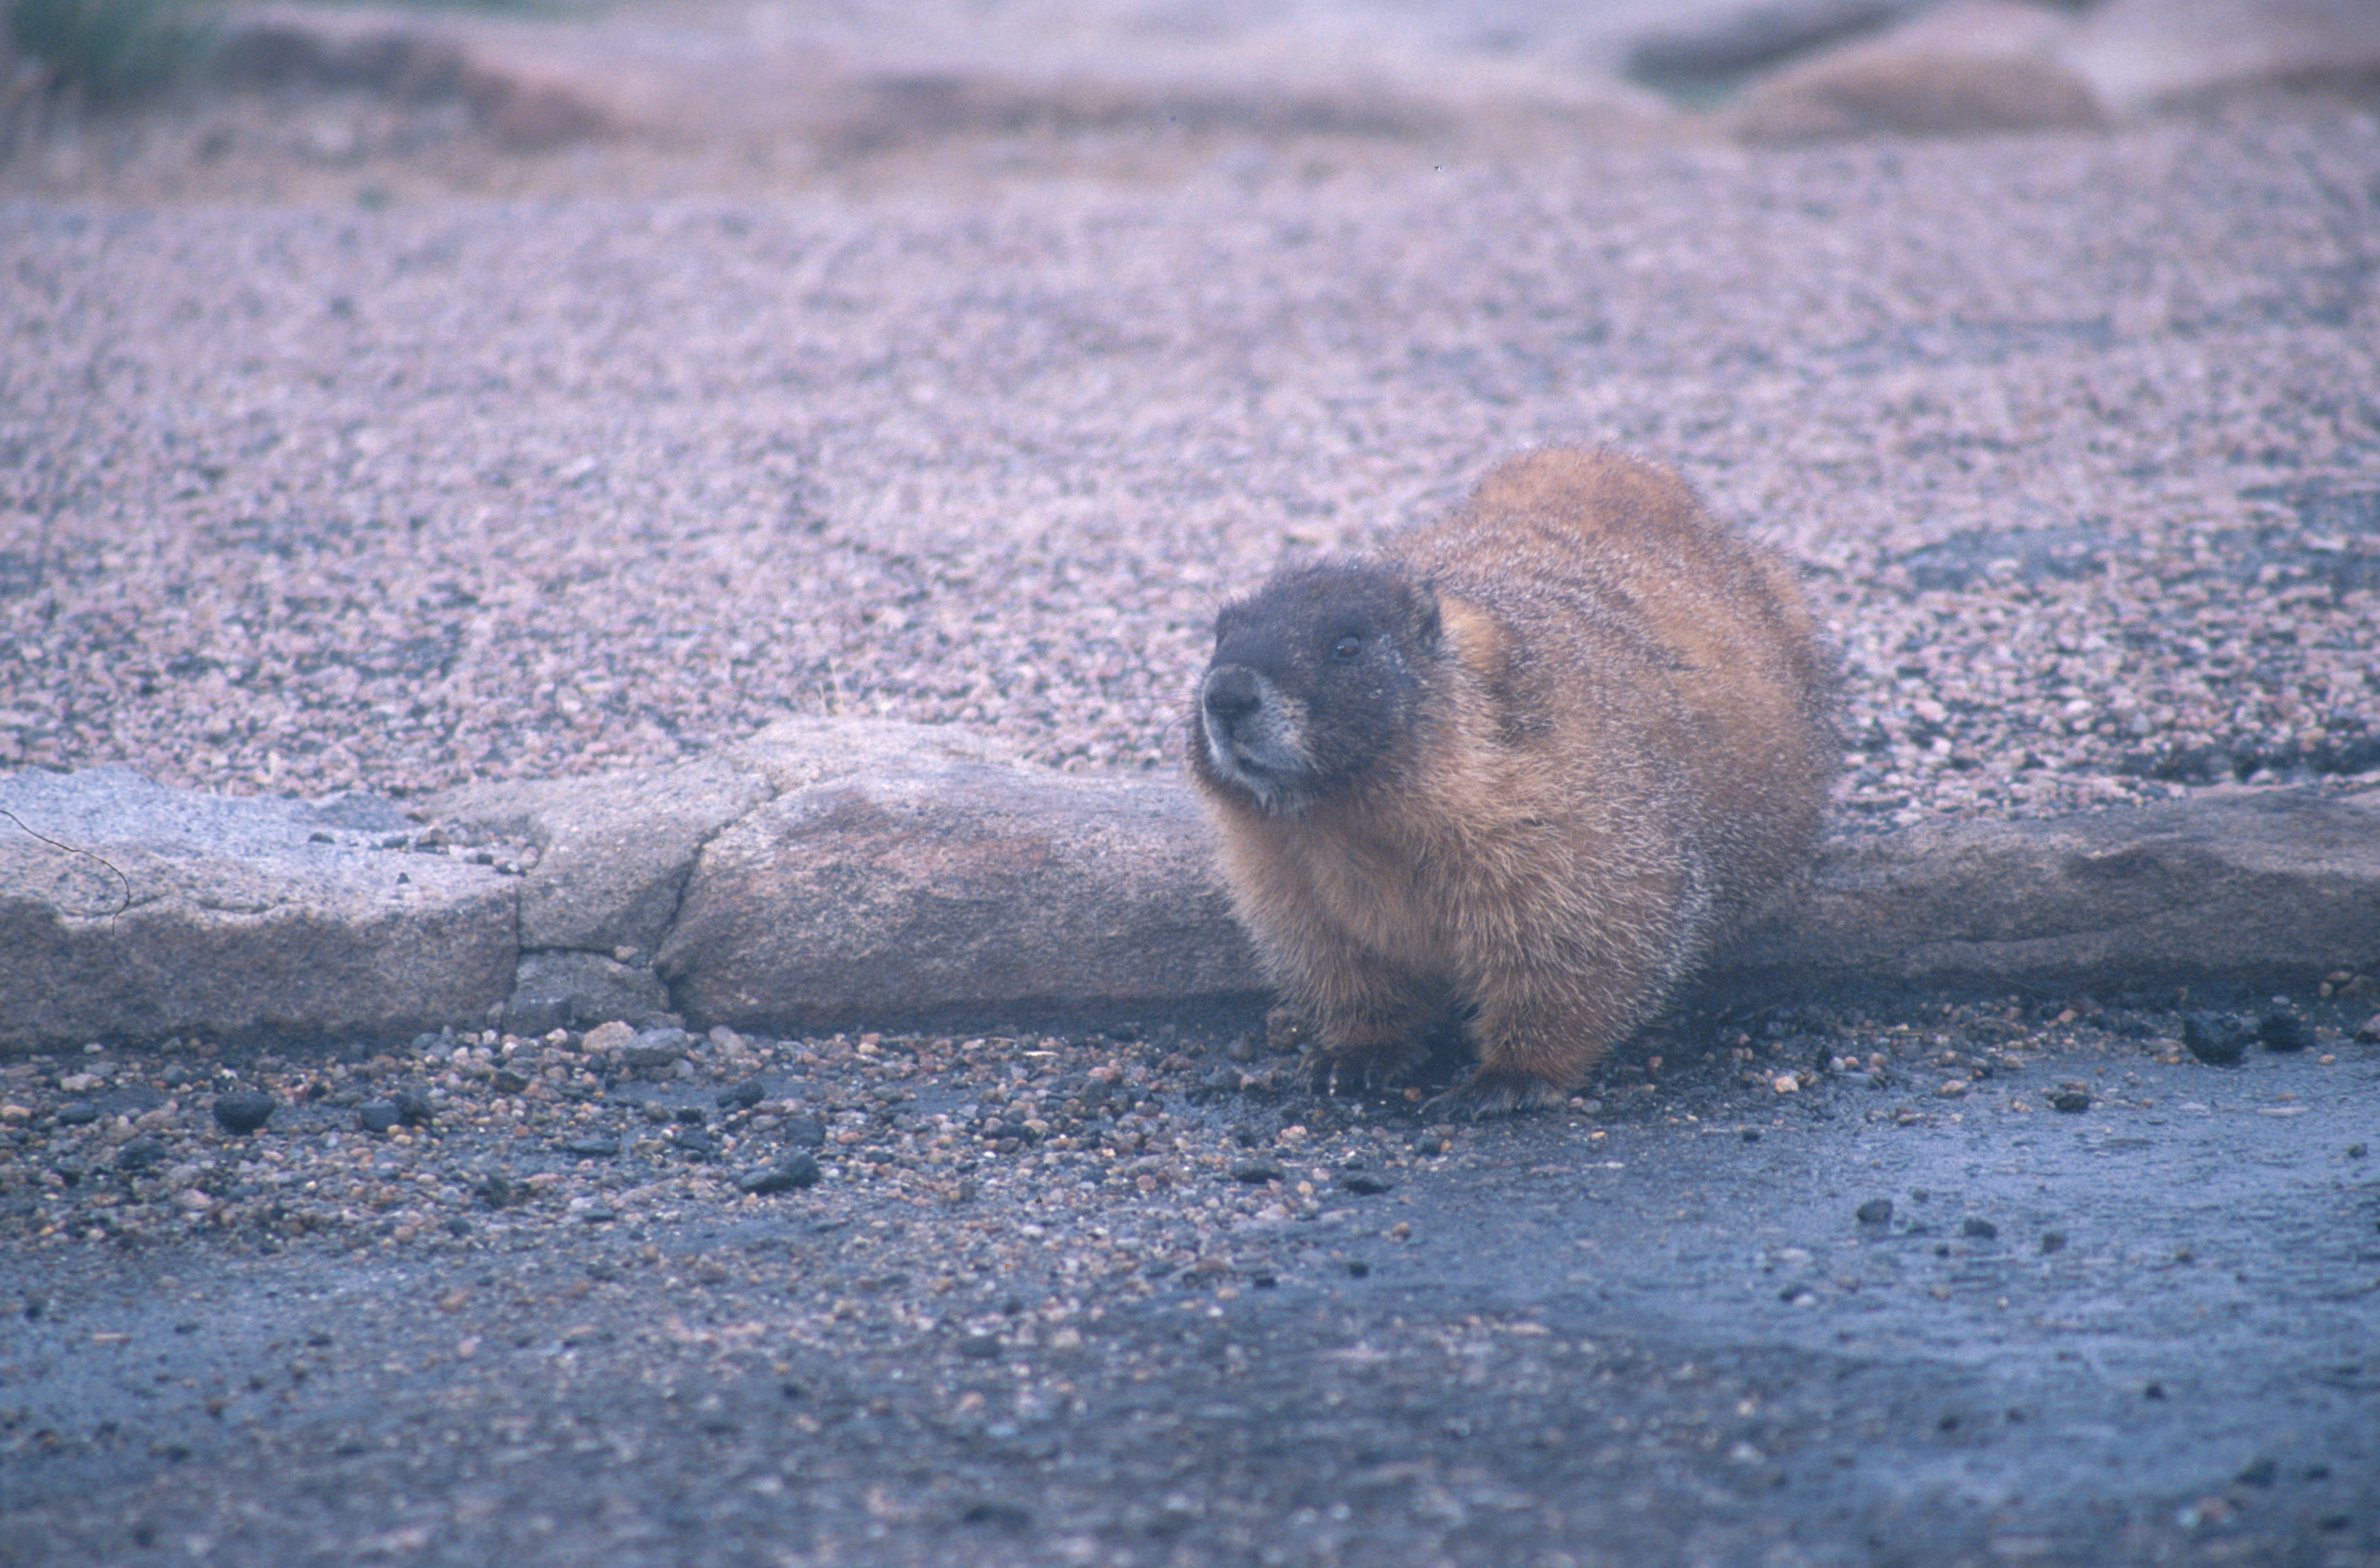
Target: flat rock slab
pixel 943 892
pixel 864 80
pixel 130 912
pixel 2273 888
pixel 827 874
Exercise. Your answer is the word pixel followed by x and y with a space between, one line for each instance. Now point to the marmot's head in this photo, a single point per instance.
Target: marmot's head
pixel 1315 676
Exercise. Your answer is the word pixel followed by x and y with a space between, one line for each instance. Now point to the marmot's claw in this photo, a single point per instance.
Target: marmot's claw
pixel 1363 1072
pixel 1492 1094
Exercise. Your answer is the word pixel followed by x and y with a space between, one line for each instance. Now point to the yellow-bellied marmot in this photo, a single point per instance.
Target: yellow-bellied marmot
pixel 1517 774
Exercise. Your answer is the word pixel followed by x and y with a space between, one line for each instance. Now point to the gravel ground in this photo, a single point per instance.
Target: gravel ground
pixel 1964 1280
pixel 2076 436
pixel 454 1136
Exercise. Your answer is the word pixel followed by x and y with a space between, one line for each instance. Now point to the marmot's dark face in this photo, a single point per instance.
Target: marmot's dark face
pixel 1314 677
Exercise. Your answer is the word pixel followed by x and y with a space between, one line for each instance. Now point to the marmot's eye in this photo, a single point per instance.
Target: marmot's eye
pixel 1347 647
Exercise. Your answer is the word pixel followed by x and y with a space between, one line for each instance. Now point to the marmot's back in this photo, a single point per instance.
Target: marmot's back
pixel 1593 557
pixel 1518 773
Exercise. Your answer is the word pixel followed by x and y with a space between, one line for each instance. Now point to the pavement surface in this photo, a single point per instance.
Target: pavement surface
pixel 2077 1298
pixel 346 449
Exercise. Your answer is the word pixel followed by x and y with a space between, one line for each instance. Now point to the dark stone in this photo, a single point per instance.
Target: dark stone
pixel 1874 1211
pixel 139 1155
pixel 2219 1039
pixel 2071 1097
pixel 696 1143
pixel 980 1347
pixel 589 1147
pixel 506 1081
pixel 244 1111
pixel 1981 1230
pixel 378 1115
pixel 799 1169
pixel 1005 1516
pixel 76 1113
pixel 1364 1184
pixel 744 1096
pixel 1256 1172
pixel 804 1132
pixel 2283 1031
pixel 414 1107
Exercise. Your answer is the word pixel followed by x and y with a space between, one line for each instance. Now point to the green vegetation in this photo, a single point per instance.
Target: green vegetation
pixel 109 51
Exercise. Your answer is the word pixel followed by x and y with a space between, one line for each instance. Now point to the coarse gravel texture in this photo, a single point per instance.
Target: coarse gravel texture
pixel 1968 1276
pixel 2077 437
pixel 451 1134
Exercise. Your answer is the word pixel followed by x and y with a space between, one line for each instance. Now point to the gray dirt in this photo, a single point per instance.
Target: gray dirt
pixel 1104 1300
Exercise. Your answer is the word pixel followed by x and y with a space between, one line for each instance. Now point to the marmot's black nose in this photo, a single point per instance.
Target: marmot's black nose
pixel 1232 693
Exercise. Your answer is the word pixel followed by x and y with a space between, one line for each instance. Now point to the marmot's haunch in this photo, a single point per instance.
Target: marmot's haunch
pixel 1517 774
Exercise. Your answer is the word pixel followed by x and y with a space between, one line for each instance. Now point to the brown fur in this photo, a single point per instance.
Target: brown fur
pixel 1519 774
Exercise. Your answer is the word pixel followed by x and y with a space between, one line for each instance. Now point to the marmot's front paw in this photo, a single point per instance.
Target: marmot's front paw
pixel 1368 1069
pixel 1494 1094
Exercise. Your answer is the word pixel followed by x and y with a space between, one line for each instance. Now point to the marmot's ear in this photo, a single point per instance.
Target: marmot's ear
pixel 1424 627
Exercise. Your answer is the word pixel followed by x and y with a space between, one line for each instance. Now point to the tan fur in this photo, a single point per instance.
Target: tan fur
pixel 1617 744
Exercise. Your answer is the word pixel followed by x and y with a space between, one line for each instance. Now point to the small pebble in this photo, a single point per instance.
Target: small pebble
pixel 378 1115
pixel 1256 1172
pixel 76 1113
pixel 2073 1099
pixel 2283 1031
pixel 1874 1211
pixel 1364 1184
pixel 1980 1229
pixel 658 1048
pixel 141 1154
pixel 244 1111
pixel 745 1095
pixel 799 1169
pixel 2217 1038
